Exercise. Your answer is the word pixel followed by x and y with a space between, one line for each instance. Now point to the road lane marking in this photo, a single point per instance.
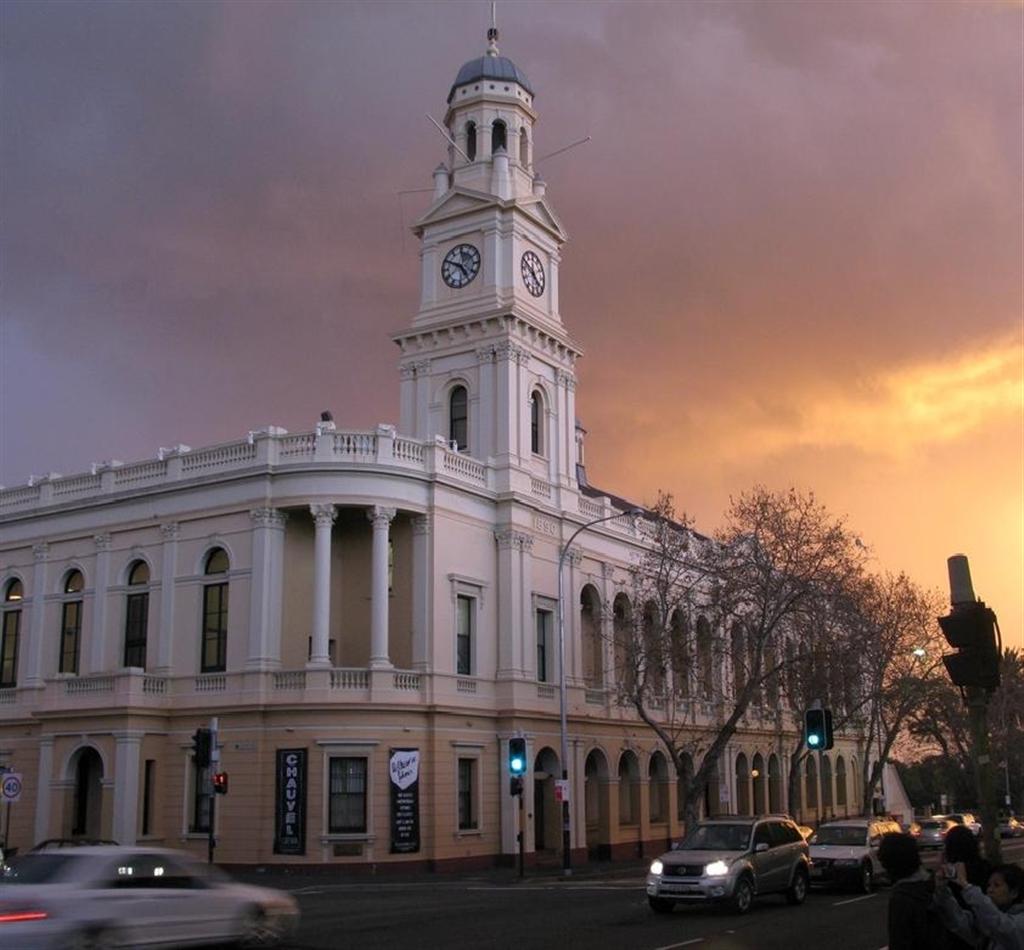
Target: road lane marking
pixel 685 943
pixel 853 900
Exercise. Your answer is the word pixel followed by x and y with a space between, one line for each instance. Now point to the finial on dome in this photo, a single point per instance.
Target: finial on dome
pixel 492 33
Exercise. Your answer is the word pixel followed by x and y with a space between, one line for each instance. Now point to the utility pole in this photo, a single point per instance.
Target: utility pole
pixel 972 628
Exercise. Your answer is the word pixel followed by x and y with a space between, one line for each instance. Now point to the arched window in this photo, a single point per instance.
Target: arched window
pixel 537 424
pixel 13 596
pixel 840 782
pixel 742 786
pixel 739 672
pixel 705 659
pixel 524 148
pixel 622 635
pixel 458 418
pixel 136 615
pixel 71 622
pixel 590 633
pixel 214 646
pixel 684 776
pixel 499 136
pixel 680 634
pixel 812 783
pixel 654 659
pixel 471 140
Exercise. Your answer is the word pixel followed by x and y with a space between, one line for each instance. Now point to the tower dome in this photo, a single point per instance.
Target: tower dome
pixel 490 66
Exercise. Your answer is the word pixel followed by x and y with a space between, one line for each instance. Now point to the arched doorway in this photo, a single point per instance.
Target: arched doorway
pixel 546 812
pixel 841 786
pixel 596 811
pixel 774 785
pixel 826 787
pixel 742 785
pixel 811 793
pixel 760 784
pixel 86 768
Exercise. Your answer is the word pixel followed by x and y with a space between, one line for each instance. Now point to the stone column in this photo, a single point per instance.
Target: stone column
pixel 381 519
pixel 168 570
pixel 98 651
pixel 422 575
pixel 34 675
pixel 573 631
pixel 323 516
pixel 510 603
pixel 42 824
pixel 265 593
pixel 528 642
pixel 606 645
pixel 126 787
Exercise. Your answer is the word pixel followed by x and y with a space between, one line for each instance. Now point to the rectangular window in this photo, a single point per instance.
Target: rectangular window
pixel 545 621
pixel 347 805
pixel 9 649
pixel 215 628
pixel 467 795
pixel 70 633
pixel 148 776
pixel 136 621
pixel 464 635
pixel 201 796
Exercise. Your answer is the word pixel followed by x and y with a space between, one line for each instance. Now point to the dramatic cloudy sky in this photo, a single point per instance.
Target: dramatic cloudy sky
pixel 796 251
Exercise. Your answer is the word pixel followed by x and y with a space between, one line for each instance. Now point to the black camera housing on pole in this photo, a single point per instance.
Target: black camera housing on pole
pixel 971 629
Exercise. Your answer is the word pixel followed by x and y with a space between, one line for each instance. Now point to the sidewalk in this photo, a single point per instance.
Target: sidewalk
pixel 293 878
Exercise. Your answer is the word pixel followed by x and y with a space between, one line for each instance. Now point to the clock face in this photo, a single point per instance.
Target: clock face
pixel 533 273
pixel 460 265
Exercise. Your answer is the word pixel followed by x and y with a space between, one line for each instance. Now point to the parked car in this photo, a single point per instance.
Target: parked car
pixel 966 819
pixel 106 897
pixel 846 852
pixel 732 860
pixel 1010 827
pixel 933 832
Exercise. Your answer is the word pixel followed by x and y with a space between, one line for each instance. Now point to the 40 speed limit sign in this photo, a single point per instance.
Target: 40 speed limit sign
pixel 10 786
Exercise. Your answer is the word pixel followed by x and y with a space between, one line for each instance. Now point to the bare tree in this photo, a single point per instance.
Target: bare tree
pixel 902 665
pixel 779 558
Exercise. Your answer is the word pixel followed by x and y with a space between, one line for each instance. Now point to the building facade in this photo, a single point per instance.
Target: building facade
pixel 370 616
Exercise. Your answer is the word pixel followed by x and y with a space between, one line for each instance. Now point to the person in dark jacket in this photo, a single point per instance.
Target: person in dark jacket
pixel 994 919
pixel 914 921
pixel 962 847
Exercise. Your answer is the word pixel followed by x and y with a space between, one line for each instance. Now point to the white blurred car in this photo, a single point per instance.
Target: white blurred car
pixel 105 896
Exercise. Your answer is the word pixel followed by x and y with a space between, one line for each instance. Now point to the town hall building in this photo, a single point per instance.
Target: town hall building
pixel 370 616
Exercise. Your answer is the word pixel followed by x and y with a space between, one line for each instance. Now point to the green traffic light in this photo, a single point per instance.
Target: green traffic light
pixel 814 740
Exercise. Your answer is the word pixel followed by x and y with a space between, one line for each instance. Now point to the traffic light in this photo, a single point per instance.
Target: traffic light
pixel 517 755
pixel 201 748
pixel 970 628
pixel 220 783
pixel 818 729
pixel 515 785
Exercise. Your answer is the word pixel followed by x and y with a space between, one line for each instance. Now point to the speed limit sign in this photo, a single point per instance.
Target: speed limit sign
pixel 10 786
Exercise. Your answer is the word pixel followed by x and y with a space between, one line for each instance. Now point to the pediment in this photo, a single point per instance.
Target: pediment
pixel 456 202
pixel 541 211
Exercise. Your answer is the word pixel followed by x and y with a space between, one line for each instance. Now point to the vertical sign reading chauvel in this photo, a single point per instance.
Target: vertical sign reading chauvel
pixel 404 769
pixel 290 802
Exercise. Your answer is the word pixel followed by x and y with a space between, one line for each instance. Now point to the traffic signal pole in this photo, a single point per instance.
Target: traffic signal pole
pixel 971 628
pixel 211 840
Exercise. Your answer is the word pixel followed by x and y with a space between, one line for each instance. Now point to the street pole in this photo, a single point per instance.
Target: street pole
pixel 562 699
pixel 211 841
pixel 977 712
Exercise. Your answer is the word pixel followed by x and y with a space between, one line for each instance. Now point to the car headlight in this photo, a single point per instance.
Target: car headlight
pixel 657 867
pixel 716 869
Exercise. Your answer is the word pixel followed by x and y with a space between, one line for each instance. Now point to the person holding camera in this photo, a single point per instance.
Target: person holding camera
pixel 994 919
pixel 962 846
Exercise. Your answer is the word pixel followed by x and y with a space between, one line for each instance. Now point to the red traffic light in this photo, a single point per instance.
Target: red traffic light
pixel 220 783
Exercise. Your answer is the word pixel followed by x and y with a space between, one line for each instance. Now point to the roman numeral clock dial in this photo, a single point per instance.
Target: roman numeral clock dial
pixel 460 265
pixel 533 273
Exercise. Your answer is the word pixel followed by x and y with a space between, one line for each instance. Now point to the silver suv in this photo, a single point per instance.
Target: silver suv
pixel 732 860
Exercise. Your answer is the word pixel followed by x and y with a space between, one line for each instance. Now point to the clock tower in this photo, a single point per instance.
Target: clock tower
pixel 487 363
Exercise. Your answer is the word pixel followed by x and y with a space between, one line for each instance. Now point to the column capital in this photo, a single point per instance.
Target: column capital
pixel 268 518
pixel 511 538
pixel 574 556
pixel 511 352
pixel 323 515
pixel 102 542
pixel 380 517
pixel 607 570
pixel 40 551
pixel 170 531
pixel 566 379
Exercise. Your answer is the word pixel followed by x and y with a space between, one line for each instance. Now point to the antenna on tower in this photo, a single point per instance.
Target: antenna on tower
pixel 492 33
pixel 444 134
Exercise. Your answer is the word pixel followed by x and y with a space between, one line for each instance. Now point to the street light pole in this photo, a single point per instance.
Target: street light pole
pixel 566 836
